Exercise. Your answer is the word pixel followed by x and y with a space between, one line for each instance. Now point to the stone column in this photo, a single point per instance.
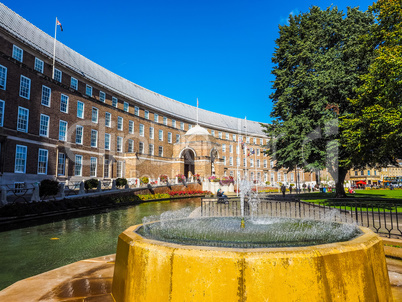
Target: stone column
pixel 82 189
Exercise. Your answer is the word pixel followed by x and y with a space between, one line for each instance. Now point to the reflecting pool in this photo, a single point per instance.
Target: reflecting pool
pixel 32 250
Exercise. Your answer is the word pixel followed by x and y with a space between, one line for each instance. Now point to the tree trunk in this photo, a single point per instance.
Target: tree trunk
pixel 340 189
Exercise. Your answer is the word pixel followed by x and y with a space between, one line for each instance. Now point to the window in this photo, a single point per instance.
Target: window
pixel 224 160
pixel 79 134
pixel 165 120
pixel 261 141
pixel 141 130
pixel 238 161
pixel 279 177
pixel 17 53
pixel 146 114
pixel 254 140
pixel 375 172
pixel 247 140
pixel 230 161
pixel 234 137
pixel 131 127
pixel 231 148
pixel 181 126
pixel 88 90
pixel 119 146
pixel 2 104
pixel 177 138
pixel 161 135
pixel 151 132
pixel 80 109
pixel 102 96
pixel 46 93
pixel 251 162
pixel 125 107
pixel 106 169
pixel 78 165
pixel 271 164
pixel 258 152
pixel 361 172
pixel 174 123
pixel 151 149
pixel 57 75
pixel 292 177
pixel 224 148
pixel 38 66
pixel 136 111
pixel 42 161
pixel 94 138
pixel 107 141
pixel 213 132
pixel 63 131
pixel 189 126
pixel 160 151
pixel 61 164
pixel 169 137
pixel 245 162
pixel 93 167
pixel 44 125
pixel 130 146
pixel 20 159
pixel 108 119
pixel 272 177
pixel 156 118
pixel 25 87
pixel 141 148
pixel 227 136
pixel 114 102
pixel 368 172
pixel 265 163
pixel 258 163
pixel 356 173
pixel 64 103
pixel 220 134
pixel 3 77
pixel 94 115
pixel 74 83
pixel 120 123
pixel 119 168
pixel 22 121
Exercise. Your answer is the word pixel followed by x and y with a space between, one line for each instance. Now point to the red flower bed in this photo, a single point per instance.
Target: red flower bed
pixel 188 193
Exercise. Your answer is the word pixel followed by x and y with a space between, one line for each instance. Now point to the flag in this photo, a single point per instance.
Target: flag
pixel 58 23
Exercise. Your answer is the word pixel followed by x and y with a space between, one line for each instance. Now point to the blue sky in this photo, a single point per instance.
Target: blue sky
pixel 217 51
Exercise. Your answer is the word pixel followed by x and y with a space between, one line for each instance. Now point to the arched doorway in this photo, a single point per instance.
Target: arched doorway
pixel 188 156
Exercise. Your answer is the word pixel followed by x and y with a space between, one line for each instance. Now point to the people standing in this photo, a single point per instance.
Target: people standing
pixel 283 189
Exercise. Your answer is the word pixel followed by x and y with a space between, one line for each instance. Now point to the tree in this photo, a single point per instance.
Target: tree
pixel 319 61
pixel 373 128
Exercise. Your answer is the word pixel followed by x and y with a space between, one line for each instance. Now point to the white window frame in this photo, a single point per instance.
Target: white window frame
pixel 27 119
pixel 88 90
pixel 213 132
pixel 57 74
pixel 79 134
pixel 38 65
pixel 63 138
pixel 63 101
pixel 169 137
pixel 44 126
pixel 141 148
pixel 131 127
pixel 136 110
pixel 120 123
pixel 173 123
pixel 141 129
pixel 177 138
pixel 2 109
pixel 95 120
pixel 146 114
pixel 231 161
pixel 108 119
pixel 130 147
pixel 151 149
pixel 93 167
pixel 24 159
pixel 78 165
pixel 119 144
pixel 28 82
pixel 102 96
pixel 107 141
pixel 46 96
pixel 165 121
pixel 83 108
pixel 115 101
pixel 160 135
pixel 151 133
pixel 156 118
pixel 18 53
pixel 181 126
pixel 126 107
pixel 106 171
pixel 223 147
pixel 220 134
pixel 94 138
pixel 227 136
pixel 61 164
pixel 40 169
pixel 3 77
pixel 224 160
pixel 74 83
pixel 119 168
pixel 160 151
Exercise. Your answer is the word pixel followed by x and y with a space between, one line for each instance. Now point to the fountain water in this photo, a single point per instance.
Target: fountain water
pixel 271 259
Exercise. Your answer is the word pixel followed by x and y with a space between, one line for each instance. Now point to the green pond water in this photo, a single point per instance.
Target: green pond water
pixel 31 250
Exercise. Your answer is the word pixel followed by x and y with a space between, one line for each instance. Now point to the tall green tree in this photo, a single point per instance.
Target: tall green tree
pixel 318 63
pixel 373 129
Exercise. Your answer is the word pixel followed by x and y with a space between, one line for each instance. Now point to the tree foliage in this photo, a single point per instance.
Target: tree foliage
pixel 373 129
pixel 319 61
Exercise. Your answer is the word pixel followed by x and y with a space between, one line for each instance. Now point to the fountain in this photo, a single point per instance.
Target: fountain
pixel 270 259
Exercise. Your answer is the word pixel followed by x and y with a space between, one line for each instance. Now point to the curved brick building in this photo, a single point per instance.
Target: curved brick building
pixel 86 121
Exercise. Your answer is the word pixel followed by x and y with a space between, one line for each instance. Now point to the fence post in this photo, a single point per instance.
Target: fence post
pixel 61 190
pixel 99 187
pixel 82 188
pixel 114 184
pixel 35 193
pixel 3 199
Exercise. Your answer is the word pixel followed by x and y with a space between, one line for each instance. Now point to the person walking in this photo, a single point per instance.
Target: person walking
pixel 290 189
pixel 283 189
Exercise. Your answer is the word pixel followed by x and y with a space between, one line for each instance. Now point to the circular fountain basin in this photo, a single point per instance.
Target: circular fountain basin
pixel 147 269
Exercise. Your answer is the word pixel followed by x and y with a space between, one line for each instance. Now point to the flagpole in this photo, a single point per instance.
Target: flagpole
pixel 54 47
pixel 255 169
pixel 237 157
pixel 245 124
pixel 197 111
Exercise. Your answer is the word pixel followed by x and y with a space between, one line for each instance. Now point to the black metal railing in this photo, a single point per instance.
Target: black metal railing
pixel 382 218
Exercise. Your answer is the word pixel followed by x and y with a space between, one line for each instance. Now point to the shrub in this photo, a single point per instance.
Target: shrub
pixel 91 184
pixel 163 178
pixel 121 182
pixel 48 187
pixel 144 180
pixel 181 177
pixel 213 178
